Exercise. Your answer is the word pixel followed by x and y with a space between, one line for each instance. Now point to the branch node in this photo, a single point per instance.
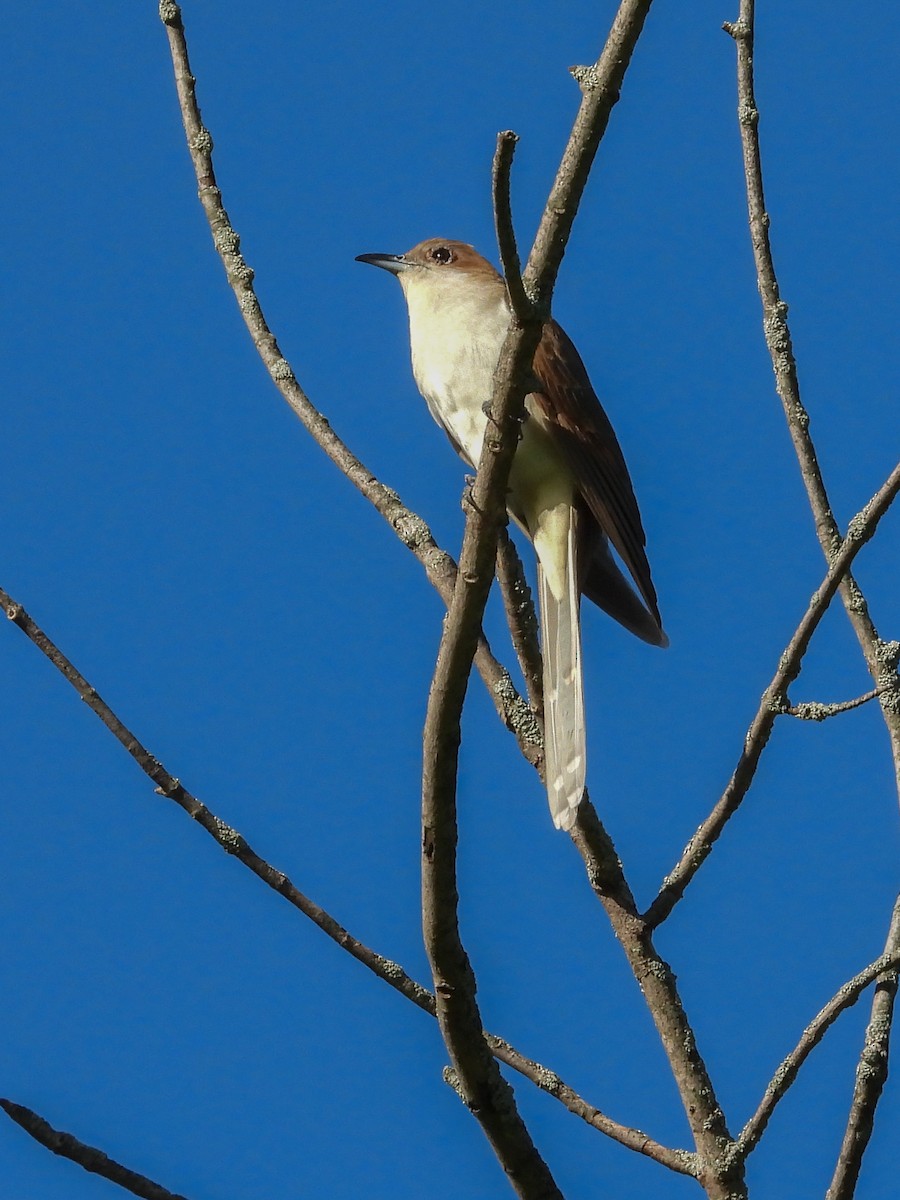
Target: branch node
pixel 748 115
pixel 585 76
pixel 451 1079
pixel 169 13
pixel 520 715
pixel 888 654
pixel 202 141
pixel 280 369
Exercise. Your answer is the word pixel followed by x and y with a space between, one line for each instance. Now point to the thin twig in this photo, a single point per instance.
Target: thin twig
pixel 772 704
pixel 89 1157
pixel 682 1161
pixel 227 837
pixel 815 710
pixel 233 843
pixel 871 1074
pixel 787 1072
pixel 520 614
pixel 521 619
pixel 503 224
pixel 412 531
pixel 881 657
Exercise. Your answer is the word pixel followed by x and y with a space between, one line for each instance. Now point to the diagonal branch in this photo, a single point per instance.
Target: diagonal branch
pixel 881 657
pixel 227 837
pixel 773 703
pixel 408 526
pixel 92 1159
pixel 233 843
pixel 720 1174
pixel 886 964
pixel 600 84
pixel 521 619
pixel 871 1074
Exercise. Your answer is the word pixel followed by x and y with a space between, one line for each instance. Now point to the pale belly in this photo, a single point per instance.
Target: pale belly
pixel 454 352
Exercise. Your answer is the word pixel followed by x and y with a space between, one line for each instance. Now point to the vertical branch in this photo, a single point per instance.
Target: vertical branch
pixel 871 1074
pixel 476 1074
pixel 881 657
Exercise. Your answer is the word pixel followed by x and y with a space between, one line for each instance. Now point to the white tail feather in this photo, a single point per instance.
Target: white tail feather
pixel 564 727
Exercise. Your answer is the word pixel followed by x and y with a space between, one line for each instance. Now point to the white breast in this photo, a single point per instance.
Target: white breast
pixel 456 328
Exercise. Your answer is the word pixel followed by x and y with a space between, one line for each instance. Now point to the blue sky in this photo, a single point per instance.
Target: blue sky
pixel 170 524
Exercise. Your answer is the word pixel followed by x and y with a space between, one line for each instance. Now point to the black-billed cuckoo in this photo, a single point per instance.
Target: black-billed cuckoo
pixel 569 488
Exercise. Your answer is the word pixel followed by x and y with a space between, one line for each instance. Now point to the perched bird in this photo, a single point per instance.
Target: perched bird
pixel 569 488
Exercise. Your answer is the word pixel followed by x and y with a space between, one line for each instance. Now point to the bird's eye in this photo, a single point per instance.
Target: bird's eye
pixel 442 254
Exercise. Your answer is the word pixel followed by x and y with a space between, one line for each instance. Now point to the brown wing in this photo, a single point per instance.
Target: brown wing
pixel 584 435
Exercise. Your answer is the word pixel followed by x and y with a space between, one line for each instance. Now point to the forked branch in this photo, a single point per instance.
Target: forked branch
pixel 773 703
pixel 884 966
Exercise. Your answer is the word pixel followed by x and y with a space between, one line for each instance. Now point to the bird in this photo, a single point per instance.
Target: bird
pixel 569 489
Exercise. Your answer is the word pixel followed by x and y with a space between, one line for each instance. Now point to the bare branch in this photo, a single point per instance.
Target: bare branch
pixel 503 223
pixel 233 843
pixel 720 1174
pixel 682 1161
pixel 600 86
pixel 89 1157
pixel 772 704
pixel 521 618
pixel 227 837
pixel 475 1072
pixel 412 531
pixel 814 710
pixel 886 964
pixel 871 1074
pixel 881 660
pixel 480 1083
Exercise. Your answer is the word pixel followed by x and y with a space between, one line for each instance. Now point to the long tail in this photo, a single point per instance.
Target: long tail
pixel 564 727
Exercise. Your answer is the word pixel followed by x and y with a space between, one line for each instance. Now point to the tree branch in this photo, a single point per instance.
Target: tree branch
pixel 89 1157
pixel 885 965
pixel 412 531
pixel 815 710
pixel 871 1074
pixel 521 619
pixel 773 703
pixel 600 84
pixel 391 973
pixel 503 224
pixel 476 1074
pixel 227 837
pixel 881 657
pixel 720 1174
